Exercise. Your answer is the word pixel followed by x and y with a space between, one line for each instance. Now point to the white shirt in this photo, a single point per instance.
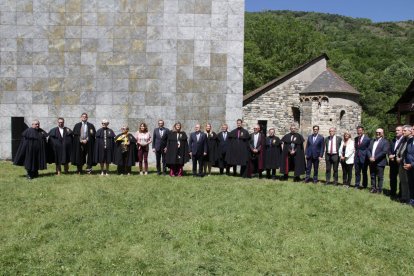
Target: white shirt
pixel 397 142
pixel 333 141
pixel 255 139
pixel 374 147
pixel 61 131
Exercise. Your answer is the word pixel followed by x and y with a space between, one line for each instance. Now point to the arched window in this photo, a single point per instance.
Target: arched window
pixel 341 115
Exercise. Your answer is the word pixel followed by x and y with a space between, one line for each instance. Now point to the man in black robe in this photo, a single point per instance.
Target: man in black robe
pixel 256 160
pixel 60 140
pixel 222 149
pixel 293 156
pixel 83 144
pixel 32 150
pixel 238 149
pixel 104 147
pixel 273 154
pixel 125 151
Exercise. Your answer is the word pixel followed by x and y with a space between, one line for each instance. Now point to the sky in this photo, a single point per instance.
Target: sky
pixel 376 10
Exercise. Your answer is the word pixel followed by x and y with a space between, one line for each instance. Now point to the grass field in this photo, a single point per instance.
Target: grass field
pixel 156 225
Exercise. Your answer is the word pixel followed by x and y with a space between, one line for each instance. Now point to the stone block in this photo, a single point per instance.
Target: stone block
pixel 73 19
pixel 8 58
pixel 8 110
pixel 136 98
pixel 155 19
pixel 72 45
pixel 185 72
pixel 153 72
pixel 235 74
pixel 122 19
pixel 185 33
pixel 24 71
pixel 106 18
pixel 201 59
pixel 154 86
pixel 120 72
pixel 8 71
pixel 154 59
pixel 71 58
pixel 24 18
pixel 120 85
pixel 202 20
pixel 185 46
pixel 8 45
pixel 186 6
pixel 185 86
pixel 203 7
pixel 71 85
pixel 185 59
pixel 8 18
pixel 170 6
pixel 156 6
pixel 24 97
pixel 24 84
pixel 25 58
pixel 171 19
pixel 7 97
pixel 154 46
pixel 169 73
pixel 185 20
pixel 120 98
pixel 104 98
pixel 122 45
pixel 169 59
pixel 105 45
pixel 89 19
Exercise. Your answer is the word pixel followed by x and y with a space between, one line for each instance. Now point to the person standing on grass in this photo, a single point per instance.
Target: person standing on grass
pixel 104 147
pixel 273 154
pixel 159 143
pixel 60 140
pixel 212 142
pixel 257 149
pixel 125 151
pixel 377 154
pixel 176 151
pixel 394 146
pixel 346 153
pixel 332 143
pixel 32 150
pixel 361 161
pixel 83 145
pixel 402 172
pixel 314 154
pixel 143 138
pixel 238 149
pixel 222 149
pixel 408 166
pixel 293 155
pixel 197 145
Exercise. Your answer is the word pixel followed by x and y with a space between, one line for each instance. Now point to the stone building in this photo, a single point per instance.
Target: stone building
pixel 126 61
pixel 312 94
pixel 404 107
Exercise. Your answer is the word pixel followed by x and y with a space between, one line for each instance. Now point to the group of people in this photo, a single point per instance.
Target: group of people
pixel 253 153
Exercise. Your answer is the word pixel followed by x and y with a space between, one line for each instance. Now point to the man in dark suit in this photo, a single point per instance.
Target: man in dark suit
pixel 394 146
pixel 361 162
pixel 83 144
pixel 159 143
pixel 256 162
pixel 313 154
pixel 409 168
pixel 332 144
pixel 222 149
pixel 377 154
pixel 197 145
pixel 400 157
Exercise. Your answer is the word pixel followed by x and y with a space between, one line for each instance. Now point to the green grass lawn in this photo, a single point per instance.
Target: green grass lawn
pixel 215 225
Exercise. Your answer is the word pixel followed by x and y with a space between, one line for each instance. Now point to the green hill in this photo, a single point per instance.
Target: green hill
pixel 376 58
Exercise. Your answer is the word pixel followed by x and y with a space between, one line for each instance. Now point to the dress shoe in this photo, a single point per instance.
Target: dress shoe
pixel 373 191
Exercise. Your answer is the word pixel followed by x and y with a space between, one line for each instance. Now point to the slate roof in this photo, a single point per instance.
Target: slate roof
pixel 328 82
pixel 248 98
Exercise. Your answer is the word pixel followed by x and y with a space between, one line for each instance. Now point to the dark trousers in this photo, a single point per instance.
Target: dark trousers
pixel 223 164
pixel 160 155
pixel 243 171
pixel 410 175
pixel 84 158
pixel 200 160
pixel 394 167
pixel 309 163
pixel 361 168
pixel 32 174
pixel 346 173
pixel 332 161
pixel 273 171
pixel 377 173
pixel 254 167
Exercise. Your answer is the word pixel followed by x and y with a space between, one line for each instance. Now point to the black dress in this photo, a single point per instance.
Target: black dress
pixel 273 152
pixel 104 146
pixel 177 149
pixel 238 151
pixel 212 152
pixel 125 156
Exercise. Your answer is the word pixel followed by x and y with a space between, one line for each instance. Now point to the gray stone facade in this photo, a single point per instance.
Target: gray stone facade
pixel 310 95
pixel 127 61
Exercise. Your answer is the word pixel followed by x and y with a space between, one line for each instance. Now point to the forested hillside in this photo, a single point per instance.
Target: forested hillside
pixel 376 58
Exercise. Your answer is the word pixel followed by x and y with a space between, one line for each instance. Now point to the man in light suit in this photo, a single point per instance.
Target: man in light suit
pixel 159 143
pixel 332 144
pixel 377 154
pixel 222 149
pixel 392 152
pixel 361 162
pixel 197 145
pixel 314 153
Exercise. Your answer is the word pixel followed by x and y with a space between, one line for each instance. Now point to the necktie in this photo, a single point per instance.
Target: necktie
pixel 331 145
pixel 224 136
pixel 105 138
pixel 198 136
pixel 360 141
pixel 161 131
pixel 84 130
pixel 314 139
